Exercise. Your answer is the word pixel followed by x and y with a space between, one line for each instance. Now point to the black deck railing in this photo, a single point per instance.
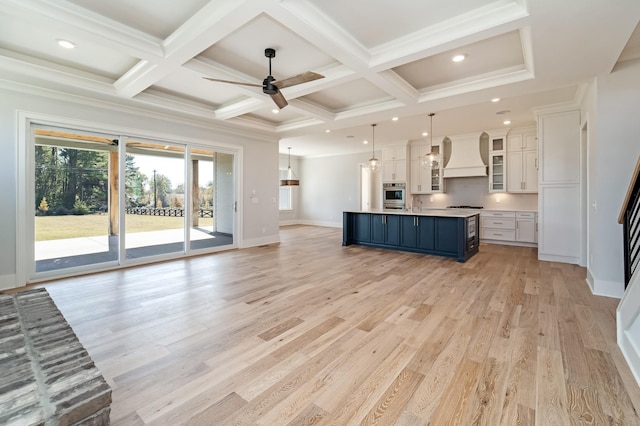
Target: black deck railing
pixel 166 211
pixel 630 220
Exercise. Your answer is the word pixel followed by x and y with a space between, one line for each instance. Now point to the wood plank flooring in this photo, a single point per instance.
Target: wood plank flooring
pixel 310 332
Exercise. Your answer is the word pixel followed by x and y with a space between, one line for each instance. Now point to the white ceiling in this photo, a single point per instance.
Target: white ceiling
pixel 380 60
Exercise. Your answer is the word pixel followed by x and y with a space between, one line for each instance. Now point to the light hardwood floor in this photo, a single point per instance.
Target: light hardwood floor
pixel 310 332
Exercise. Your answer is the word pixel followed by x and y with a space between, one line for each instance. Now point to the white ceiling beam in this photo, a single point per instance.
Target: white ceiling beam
pixel 496 18
pixel 27 66
pixel 396 86
pixel 85 25
pixel 313 25
pixel 213 22
pixel 244 106
pixel 298 124
pixel 490 80
pixel 315 111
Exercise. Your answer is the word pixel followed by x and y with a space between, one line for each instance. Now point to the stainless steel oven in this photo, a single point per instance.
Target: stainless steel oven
pixel 394 196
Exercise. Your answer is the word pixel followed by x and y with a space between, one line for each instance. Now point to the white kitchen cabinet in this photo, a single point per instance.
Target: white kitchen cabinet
pixel 420 177
pixel 497 164
pixel 522 141
pixel 560 148
pixel 426 178
pixel 526 227
pixel 522 163
pixel 419 150
pixel 560 232
pixel 394 163
pixel 394 152
pixel 508 227
pixel 498 225
pixel 394 171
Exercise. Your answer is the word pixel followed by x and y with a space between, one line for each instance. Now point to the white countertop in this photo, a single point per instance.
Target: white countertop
pixel 429 212
pixel 484 210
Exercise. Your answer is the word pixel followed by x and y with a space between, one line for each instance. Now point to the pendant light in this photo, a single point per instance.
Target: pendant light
pixel 373 161
pixel 290 181
pixel 430 157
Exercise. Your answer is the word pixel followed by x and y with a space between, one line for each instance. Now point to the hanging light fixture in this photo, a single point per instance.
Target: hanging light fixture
pixel 291 179
pixel 373 161
pixel 430 157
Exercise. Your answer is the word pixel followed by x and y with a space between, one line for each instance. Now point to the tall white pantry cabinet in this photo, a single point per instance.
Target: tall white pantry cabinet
pixel 559 191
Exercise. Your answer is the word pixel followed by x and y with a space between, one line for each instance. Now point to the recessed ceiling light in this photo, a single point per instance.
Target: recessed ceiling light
pixel 66 44
pixel 328 131
pixel 395 119
pixel 495 100
pixel 458 58
pixel 425 134
pixel 506 122
pixel 275 111
pixel 365 142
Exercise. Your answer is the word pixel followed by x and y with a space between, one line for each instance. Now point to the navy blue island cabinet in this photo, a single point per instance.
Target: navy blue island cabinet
pixel 442 233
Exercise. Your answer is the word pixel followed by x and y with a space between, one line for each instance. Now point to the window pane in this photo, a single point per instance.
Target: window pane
pixel 72 201
pixel 154 220
pixel 212 194
pixel 285 192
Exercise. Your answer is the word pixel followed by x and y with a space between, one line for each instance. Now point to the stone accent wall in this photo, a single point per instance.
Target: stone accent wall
pixel 46 376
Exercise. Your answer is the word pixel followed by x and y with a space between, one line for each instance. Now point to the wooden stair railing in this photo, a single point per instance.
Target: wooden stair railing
pixel 630 219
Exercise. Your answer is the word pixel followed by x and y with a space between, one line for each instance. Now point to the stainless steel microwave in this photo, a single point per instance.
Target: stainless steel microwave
pixel 394 195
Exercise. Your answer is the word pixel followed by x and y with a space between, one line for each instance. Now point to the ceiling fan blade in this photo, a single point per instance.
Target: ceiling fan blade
pixel 297 79
pixel 279 100
pixel 233 82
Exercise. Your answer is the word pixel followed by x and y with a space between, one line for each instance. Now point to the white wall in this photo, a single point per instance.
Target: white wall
pixel 329 186
pixel 614 128
pixel 260 160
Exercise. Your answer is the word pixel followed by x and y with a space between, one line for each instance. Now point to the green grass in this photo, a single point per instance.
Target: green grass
pixel 92 225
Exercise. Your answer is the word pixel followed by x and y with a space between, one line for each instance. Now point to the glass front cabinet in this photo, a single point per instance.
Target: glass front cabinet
pixel 497 163
pixel 426 176
pixel 436 170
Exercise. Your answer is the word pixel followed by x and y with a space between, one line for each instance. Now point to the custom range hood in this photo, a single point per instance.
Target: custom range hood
pixel 468 156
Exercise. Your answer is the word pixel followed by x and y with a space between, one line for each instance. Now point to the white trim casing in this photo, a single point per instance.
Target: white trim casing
pixel 628 326
pixel 25 205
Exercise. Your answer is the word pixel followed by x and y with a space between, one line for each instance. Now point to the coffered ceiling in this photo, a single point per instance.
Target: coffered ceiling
pixel 379 59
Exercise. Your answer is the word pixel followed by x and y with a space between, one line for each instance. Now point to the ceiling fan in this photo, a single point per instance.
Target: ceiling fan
pixel 272 87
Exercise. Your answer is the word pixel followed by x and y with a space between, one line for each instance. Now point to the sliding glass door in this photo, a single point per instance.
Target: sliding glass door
pixel 212 208
pixel 73 206
pixel 154 199
pixel 100 201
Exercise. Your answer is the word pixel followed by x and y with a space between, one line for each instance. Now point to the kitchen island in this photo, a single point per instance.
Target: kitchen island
pixel 450 233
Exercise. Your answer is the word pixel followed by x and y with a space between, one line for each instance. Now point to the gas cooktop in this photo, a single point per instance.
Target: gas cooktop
pixel 464 207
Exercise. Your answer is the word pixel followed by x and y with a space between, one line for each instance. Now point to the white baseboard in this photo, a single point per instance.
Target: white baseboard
pixel 8 281
pixel 590 280
pixel 255 242
pixel 509 243
pixel 288 222
pixel 626 330
pixel 321 223
pixel 608 288
pixel 556 258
